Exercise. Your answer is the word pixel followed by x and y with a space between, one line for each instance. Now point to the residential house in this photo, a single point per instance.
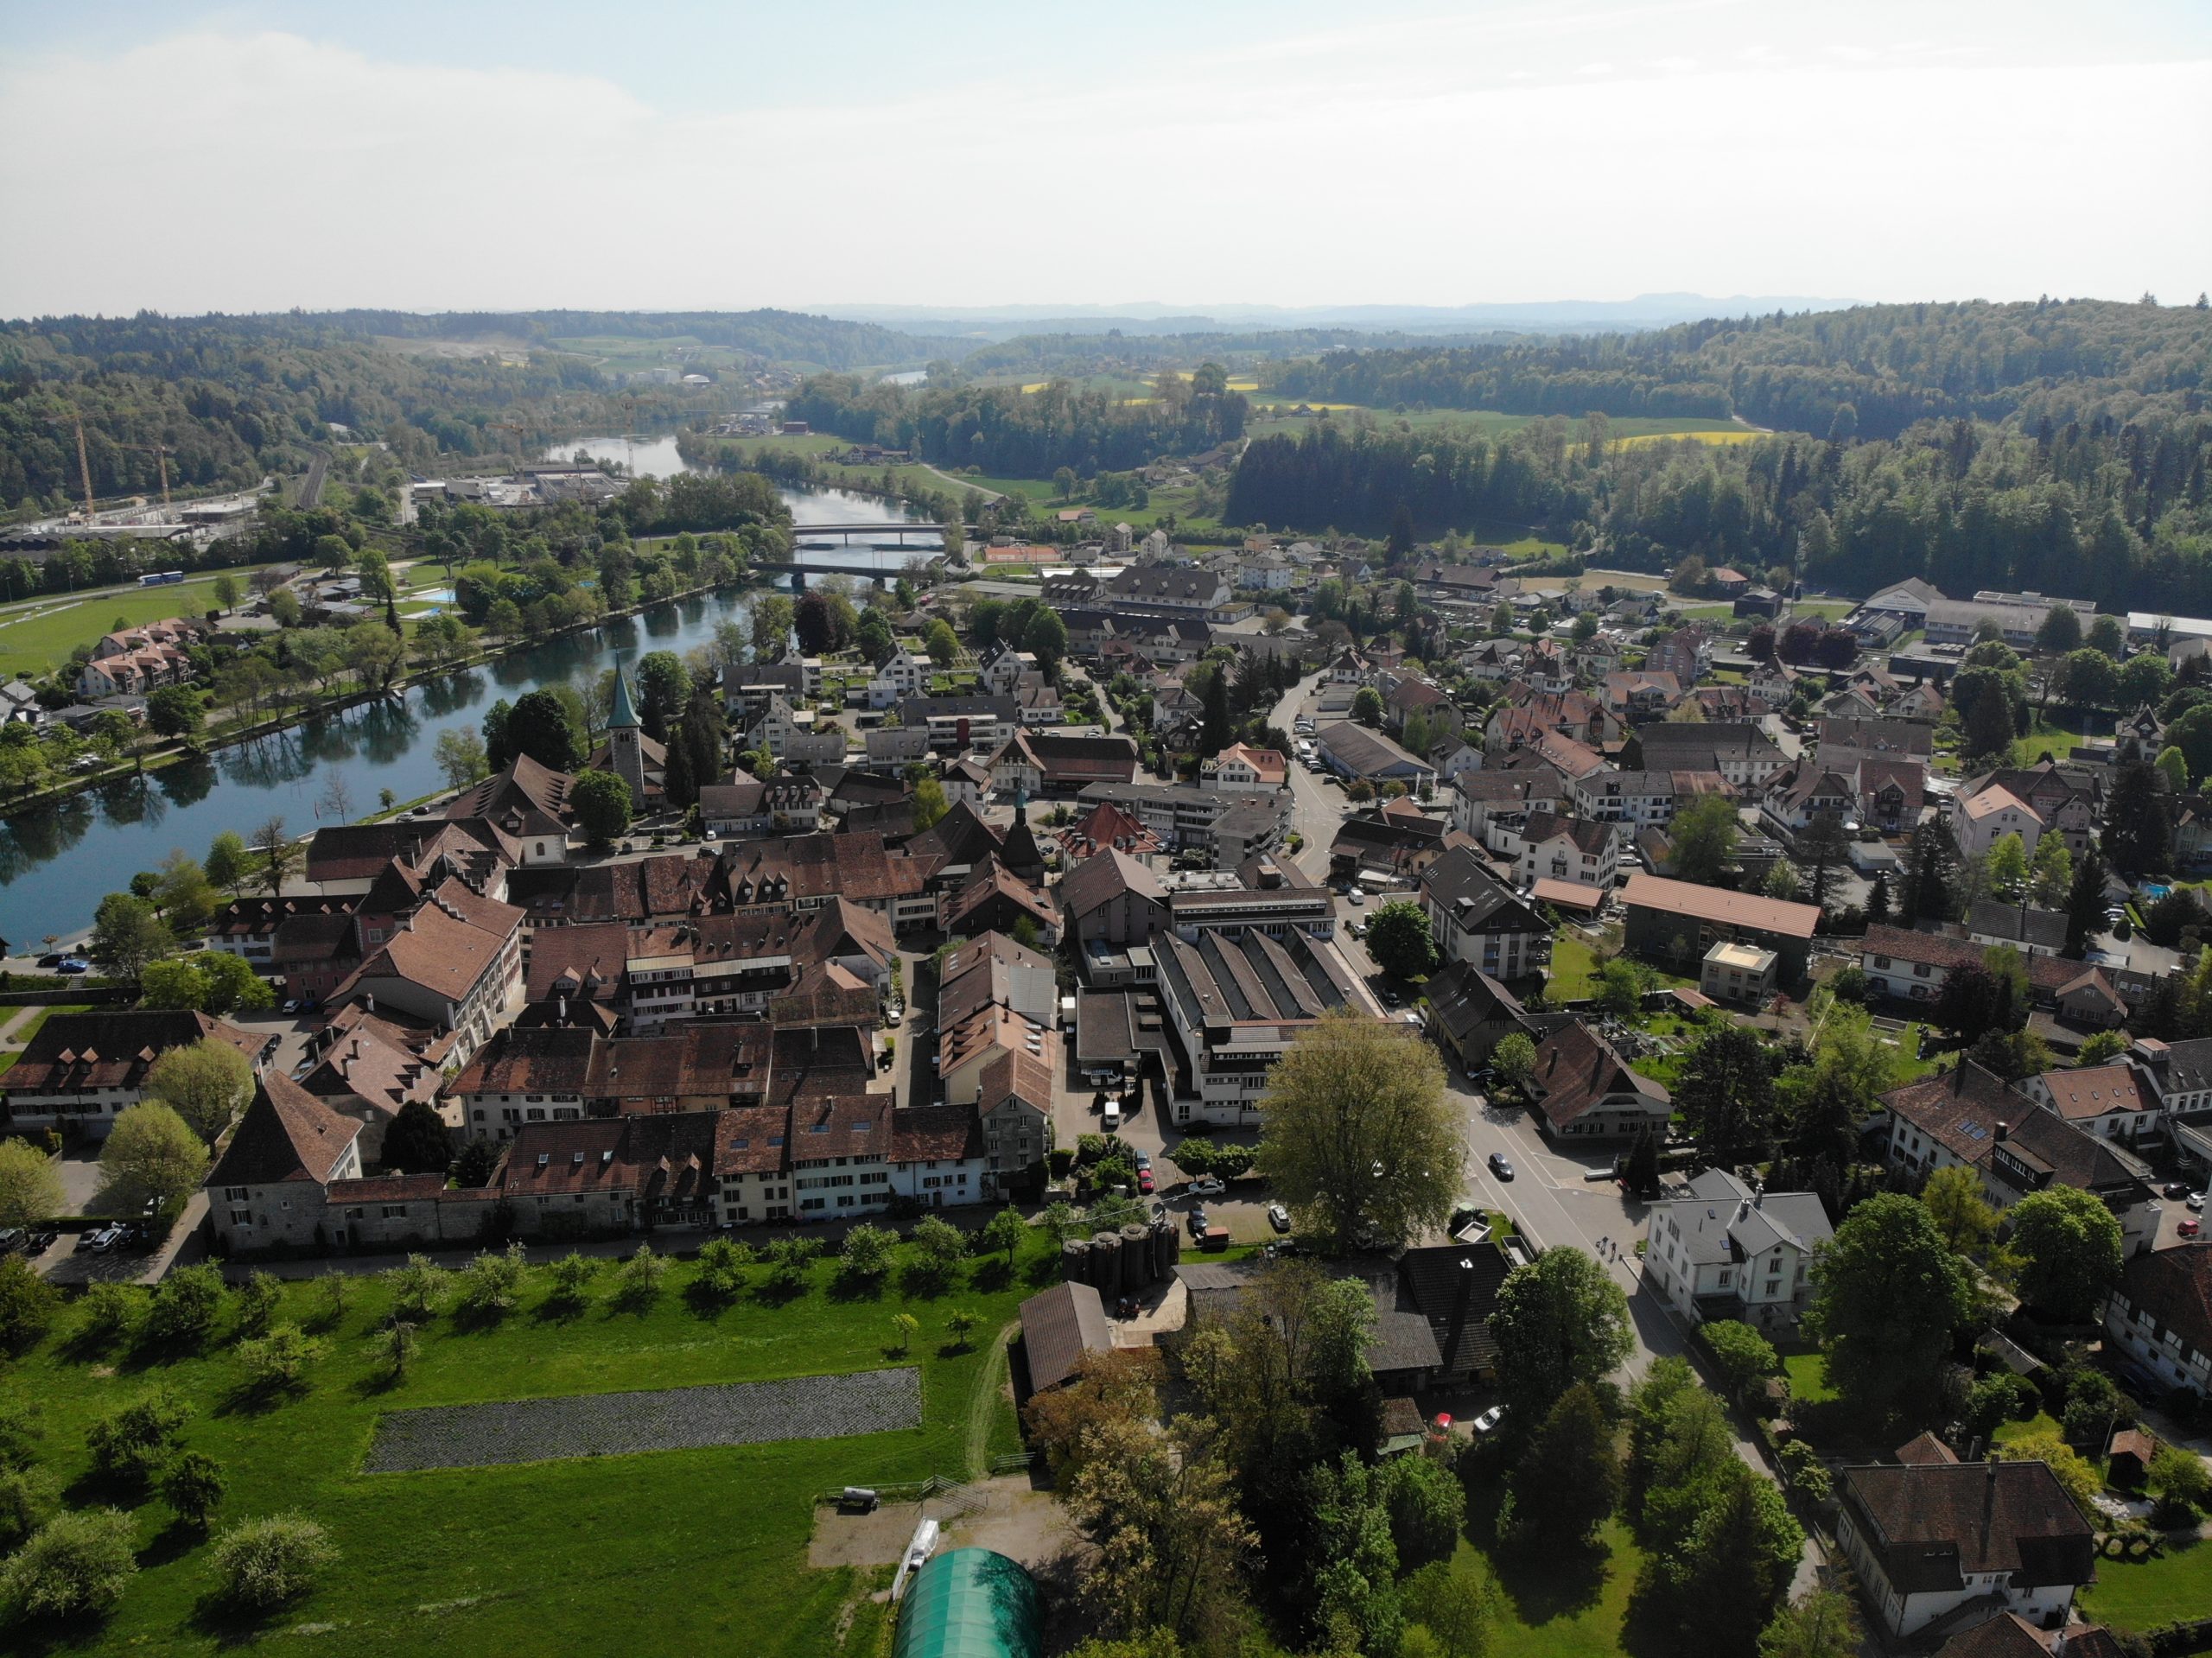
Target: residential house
pixel 961 725
pixel 2033 932
pixel 1912 966
pixel 2111 1102
pixel 1637 798
pixel 1035 764
pixel 1478 919
pixel 1970 1117
pixel 1577 849
pixel 1928 1539
pixel 2161 1316
pixel 1241 769
pixel 1470 1014
pixel 1724 1249
pixel 1586 1092
pixel 454 963
pixel 904 673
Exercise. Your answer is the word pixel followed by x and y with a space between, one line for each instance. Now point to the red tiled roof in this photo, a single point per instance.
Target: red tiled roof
pixel 1713 904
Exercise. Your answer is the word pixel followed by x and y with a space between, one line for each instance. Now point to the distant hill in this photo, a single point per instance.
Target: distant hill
pixel 1540 316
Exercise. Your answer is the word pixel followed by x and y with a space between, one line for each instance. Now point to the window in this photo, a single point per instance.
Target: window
pixel 235 1195
pixel 395 1211
pixel 241 1218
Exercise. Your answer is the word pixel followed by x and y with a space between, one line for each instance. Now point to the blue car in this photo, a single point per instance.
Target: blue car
pixel 73 965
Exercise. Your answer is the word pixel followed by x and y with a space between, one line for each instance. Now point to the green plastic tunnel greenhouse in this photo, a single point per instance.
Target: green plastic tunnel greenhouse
pixel 968 1603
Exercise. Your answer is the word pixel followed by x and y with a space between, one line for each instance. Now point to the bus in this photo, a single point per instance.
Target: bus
pixel 161 580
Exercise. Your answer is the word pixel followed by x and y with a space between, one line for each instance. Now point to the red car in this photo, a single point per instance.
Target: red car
pixel 2188 1229
pixel 1144 1179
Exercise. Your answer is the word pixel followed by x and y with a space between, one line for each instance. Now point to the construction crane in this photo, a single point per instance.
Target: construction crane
pixel 83 460
pixel 161 452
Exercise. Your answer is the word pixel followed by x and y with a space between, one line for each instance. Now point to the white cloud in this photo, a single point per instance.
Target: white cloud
pixel 269 171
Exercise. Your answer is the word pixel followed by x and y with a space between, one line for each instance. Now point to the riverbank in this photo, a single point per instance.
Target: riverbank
pixel 176 752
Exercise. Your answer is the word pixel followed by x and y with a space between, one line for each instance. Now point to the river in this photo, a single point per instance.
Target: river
pixel 58 862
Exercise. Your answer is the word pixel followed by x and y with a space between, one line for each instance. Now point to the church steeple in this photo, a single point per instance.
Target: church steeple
pixel 626 737
pixel 624 713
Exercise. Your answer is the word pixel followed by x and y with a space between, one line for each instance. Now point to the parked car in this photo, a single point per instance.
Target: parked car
pixel 2176 1189
pixel 1206 1186
pixel 1279 1218
pixel 11 1239
pixel 1112 1114
pixel 1197 1222
pixel 39 1239
pixel 51 960
pixel 2188 1229
pixel 1144 1181
pixel 1488 1421
pixel 1355 896
pixel 1501 1166
pixel 73 964
pixel 1390 998
pixel 1142 1159
pixel 2195 1200
pixel 102 1239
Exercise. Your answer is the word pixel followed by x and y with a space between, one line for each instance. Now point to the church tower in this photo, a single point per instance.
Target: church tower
pixel 625 738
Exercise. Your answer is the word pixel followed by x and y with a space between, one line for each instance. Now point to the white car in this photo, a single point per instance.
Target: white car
pixel 1488 1421
pixel 1113 1115
pixel 2195 1200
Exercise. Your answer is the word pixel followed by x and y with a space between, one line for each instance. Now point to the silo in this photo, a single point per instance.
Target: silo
pixel 1106 1263
pixel 1137 1259
pixel 1074 1260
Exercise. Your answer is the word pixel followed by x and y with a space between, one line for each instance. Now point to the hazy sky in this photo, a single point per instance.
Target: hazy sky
pixel 262 156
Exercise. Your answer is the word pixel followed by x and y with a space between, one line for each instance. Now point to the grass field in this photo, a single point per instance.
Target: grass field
pixel 1809 1378
pixel 2143 1594
pixel 2058 737
pixel 38 638
pixel 707 1548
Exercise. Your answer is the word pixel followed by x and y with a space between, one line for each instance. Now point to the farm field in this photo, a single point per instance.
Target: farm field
pixel 38 638
pixel 556 1556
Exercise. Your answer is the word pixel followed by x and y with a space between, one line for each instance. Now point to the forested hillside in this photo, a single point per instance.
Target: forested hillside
pixel 1009 433
pixel 2099 509
pixel 233 397
pixel 1870 372
pixel 772 336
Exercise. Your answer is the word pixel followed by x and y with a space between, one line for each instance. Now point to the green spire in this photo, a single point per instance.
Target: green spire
pixel 624 713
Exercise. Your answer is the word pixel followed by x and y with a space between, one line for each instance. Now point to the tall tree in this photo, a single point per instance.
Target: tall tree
pixel 1560 1319
pixel 1705 833
pixel 1567 1481
pixel 1887 1295
pixel 1726 1094
pixel 541 727
pixel 2068 1246
pixel 1356 1132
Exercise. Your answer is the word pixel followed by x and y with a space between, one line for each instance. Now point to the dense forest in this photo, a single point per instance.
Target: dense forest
pixel 2098 509
pixel 1870 371
pixel 1010 432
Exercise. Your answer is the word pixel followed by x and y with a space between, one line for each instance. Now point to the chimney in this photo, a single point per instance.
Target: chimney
pixel 1758 1197
pixel 2003 1129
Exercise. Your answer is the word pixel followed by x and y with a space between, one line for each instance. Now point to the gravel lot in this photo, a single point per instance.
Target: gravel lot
pixel 673 1419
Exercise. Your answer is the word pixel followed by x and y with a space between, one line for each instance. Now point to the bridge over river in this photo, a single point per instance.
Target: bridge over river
pixel 802 534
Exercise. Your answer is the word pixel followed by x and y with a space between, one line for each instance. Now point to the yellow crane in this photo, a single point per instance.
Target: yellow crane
pixel 83 460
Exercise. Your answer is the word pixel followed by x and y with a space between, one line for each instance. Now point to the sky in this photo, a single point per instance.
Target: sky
pixel 463 155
